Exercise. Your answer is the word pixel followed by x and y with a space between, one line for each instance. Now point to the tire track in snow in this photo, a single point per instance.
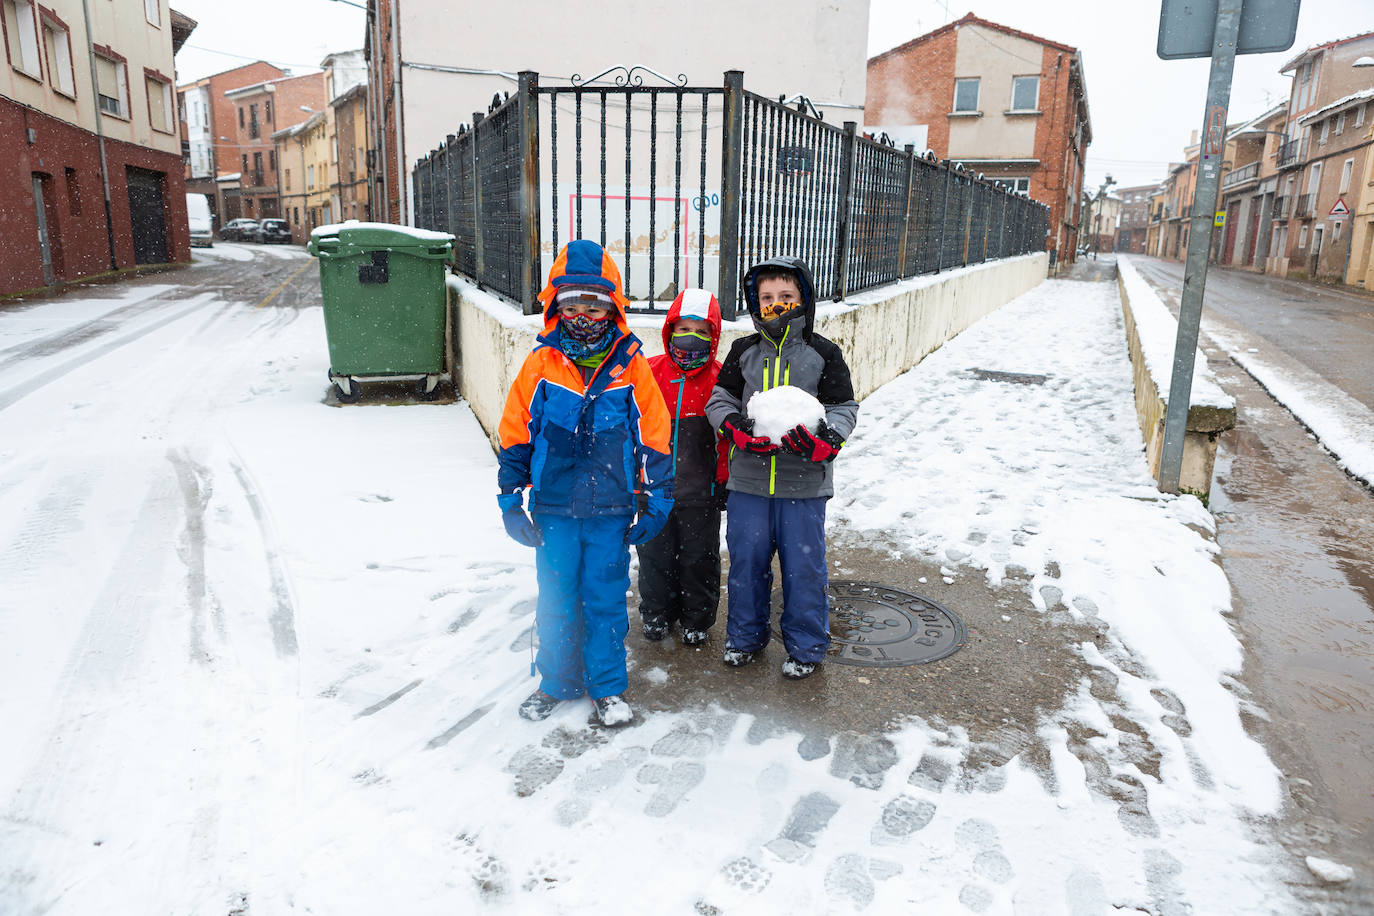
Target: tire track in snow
pixel 23 389
pixel 76 335
pixel 194 482
pixel 283 616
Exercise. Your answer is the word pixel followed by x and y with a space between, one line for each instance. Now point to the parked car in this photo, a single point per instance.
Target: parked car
pixel 199 220
pixel 240 230
pixel 274 230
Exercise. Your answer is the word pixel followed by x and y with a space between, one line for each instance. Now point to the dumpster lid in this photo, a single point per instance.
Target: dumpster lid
pixel 380 235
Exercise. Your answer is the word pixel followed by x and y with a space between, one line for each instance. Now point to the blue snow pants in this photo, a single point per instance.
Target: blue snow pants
pixel 755 528
pixel 583 570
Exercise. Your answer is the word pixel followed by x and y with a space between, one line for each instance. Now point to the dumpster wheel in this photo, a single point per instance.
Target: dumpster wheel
pixel 427 387
pixel 347 388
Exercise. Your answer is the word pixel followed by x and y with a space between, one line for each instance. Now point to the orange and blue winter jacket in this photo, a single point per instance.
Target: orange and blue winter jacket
pixel 584 449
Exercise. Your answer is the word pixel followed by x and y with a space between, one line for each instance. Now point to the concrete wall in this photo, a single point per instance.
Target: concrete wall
pixel 883 332
pixel 1208 417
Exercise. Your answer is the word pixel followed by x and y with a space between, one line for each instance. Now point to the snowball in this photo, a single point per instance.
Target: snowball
pixel 779 410
pixel 1328 871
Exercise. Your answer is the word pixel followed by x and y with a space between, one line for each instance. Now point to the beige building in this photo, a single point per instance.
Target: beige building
pixel 424 84
pixel 91 174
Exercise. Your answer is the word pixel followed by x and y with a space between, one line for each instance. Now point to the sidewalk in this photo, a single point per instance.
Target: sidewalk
pixel 344 738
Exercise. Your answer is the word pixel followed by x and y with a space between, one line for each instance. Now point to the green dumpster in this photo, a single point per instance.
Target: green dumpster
pixel 384 303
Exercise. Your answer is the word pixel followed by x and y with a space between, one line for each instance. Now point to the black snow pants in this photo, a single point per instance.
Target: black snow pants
pixel 679 570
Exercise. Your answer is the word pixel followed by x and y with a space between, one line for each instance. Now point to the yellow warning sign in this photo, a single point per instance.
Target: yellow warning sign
pixel 1219 219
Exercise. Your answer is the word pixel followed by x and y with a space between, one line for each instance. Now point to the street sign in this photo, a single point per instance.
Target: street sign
pixel 1339 209
pixel 1187 27
pixel 1219 218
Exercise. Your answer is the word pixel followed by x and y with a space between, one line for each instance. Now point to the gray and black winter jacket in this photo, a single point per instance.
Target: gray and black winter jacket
pixel 802 359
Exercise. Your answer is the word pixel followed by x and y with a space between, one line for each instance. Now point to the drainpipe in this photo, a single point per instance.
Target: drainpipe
pixel 404 189
pixel 100 133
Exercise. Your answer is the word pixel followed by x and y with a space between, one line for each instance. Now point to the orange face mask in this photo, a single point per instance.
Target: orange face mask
pixel 776 309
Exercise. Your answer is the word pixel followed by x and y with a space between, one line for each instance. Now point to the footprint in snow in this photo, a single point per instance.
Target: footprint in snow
pixel 673 784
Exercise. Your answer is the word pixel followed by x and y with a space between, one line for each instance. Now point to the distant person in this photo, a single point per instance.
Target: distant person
pixel 584 428
pixel 777 494
pixel 679 570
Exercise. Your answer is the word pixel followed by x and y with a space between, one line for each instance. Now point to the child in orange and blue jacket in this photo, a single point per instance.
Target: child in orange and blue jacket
pixel 679 570
pixel 585 428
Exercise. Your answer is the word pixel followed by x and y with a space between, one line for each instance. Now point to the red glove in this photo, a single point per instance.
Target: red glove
pixel 822 445
pixel 741 433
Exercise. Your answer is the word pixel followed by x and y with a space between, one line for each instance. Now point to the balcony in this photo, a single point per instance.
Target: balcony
pixel 1290 154
pixel 1280 210
pixel 1304 207
pixel 1241 175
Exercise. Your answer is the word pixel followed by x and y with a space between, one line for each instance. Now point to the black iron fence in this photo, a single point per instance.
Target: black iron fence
pixel 711 180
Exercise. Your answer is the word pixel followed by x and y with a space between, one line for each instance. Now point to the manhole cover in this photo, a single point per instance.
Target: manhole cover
pixel 1016 378
pixel 881 627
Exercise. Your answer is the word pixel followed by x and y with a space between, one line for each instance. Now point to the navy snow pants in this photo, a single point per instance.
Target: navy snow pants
pixel 755 528
pixel 583 570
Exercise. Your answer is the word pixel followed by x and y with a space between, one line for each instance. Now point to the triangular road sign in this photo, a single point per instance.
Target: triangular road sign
pixel 1340 209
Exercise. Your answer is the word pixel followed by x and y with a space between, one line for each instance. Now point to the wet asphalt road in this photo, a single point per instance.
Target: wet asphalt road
pixel 1329 330
pixel 1297 544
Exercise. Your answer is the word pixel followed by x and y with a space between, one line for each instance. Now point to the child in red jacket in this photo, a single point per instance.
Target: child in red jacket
pixel 679 570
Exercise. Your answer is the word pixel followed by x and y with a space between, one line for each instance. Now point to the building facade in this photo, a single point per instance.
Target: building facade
pixel 90 147
pixel 1134 218
pixel 423 85
pixel 259 111
pixel 1248 191
pixel 1006 103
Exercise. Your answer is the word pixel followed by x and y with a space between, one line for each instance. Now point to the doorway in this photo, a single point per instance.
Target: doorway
pixel 146 215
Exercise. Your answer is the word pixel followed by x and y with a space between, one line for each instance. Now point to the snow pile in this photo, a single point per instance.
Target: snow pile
pixel 778 411
pixel 1328 871
pixel 1158 333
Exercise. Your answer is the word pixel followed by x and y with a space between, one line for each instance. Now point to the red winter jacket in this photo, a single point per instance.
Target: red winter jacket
pixel 700 456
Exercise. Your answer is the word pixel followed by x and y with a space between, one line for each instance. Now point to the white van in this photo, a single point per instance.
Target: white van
pixel 198 216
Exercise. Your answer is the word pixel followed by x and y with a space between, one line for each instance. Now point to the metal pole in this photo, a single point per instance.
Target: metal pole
pixel 730 150
pixel 1199 240
pixel 479 262
pixel 848 149
pixel 906 214
pixel 529 189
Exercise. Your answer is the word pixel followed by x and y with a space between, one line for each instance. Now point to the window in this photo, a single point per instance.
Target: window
pixel 966 95
pixel 1314 178
pixel 1326 131
pixel 1019 185
pixel 21 26
pixel 286 182
pixel 1359 115
pixel 245 163
pixel 272 159
pixel 1025 93
pixel 1347 168
pixel 267 110
pixel 58 43
pixel 309 177
pixel 1302 238
pixel 113 82
pixel 1335 230
pixel 240 117
pixel 253 121
pixel 159 102
pixel 73 193
pixel 150 11
pixel 1340 123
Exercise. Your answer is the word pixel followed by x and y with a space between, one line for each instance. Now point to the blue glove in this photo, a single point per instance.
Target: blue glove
pixel 518 524
pixel 652 517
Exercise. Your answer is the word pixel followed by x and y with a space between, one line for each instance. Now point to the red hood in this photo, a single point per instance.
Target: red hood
pixel 695 302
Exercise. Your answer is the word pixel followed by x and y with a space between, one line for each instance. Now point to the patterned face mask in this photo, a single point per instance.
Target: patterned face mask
pixel 587 330
pixel 689 349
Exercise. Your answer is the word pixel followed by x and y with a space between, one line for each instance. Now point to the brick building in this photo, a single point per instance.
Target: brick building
pixel 259 111
pixel 1133 219
pixel 90 151
pixel 208 140
pixel 1004 102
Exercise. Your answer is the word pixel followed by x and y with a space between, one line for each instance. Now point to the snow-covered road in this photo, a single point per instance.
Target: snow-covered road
pixel 259 655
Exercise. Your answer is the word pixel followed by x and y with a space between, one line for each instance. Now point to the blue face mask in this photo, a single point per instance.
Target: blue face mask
pixel 689 350
pixel 584 335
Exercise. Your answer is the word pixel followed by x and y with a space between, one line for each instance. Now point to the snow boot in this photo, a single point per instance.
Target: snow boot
pixel 613 710
pixel 693 637
pixel 737 658
pixel 655 628
pixel 538 706
pixel 796 670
